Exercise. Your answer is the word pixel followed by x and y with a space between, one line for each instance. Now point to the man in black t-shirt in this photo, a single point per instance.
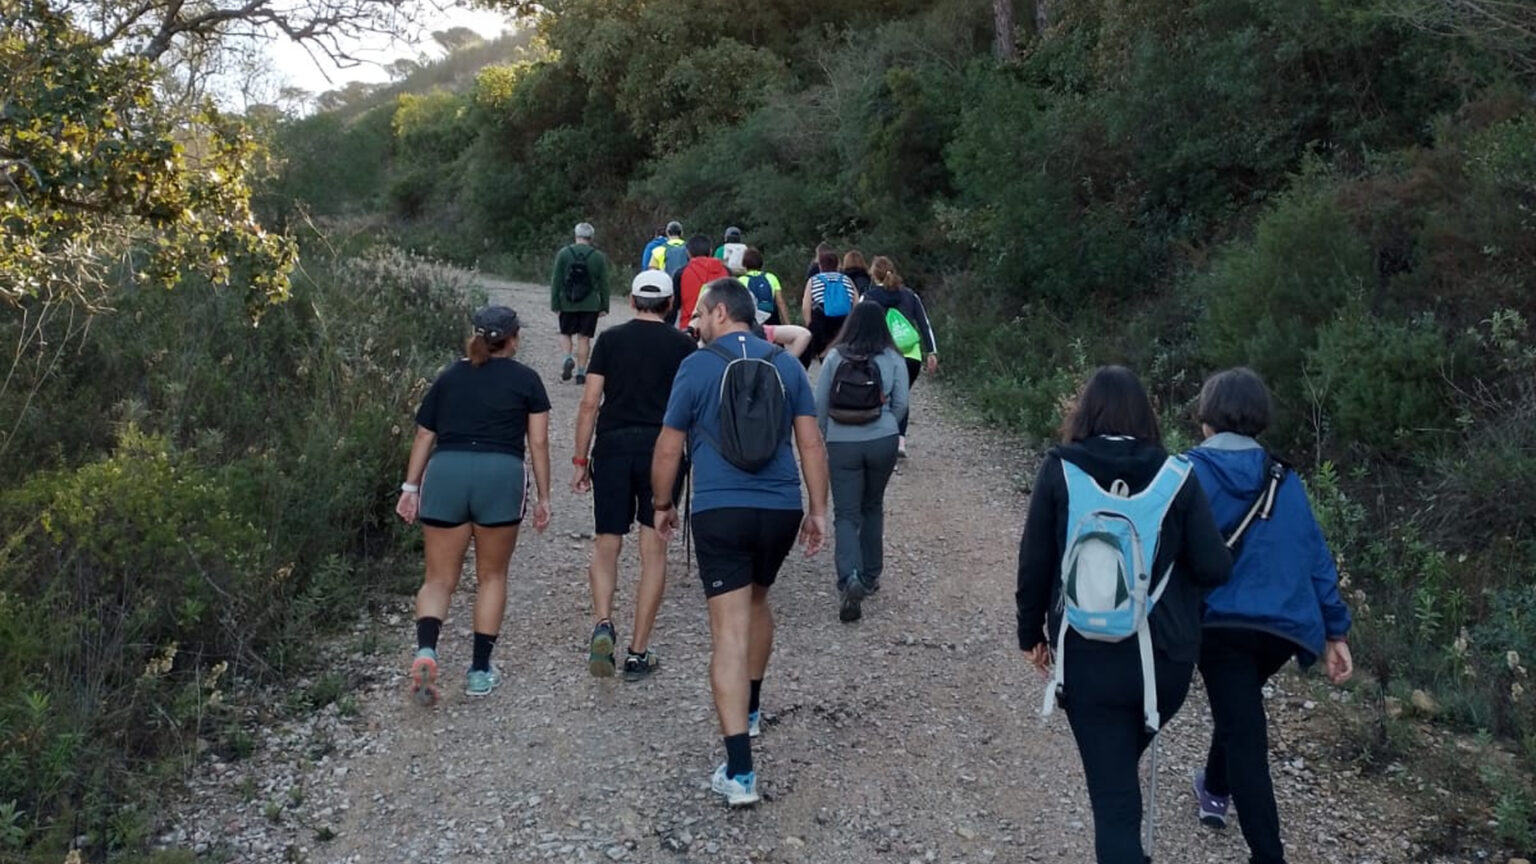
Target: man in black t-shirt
pixel 628 384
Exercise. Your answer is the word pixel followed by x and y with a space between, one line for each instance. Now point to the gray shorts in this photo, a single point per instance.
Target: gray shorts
pixel 489 489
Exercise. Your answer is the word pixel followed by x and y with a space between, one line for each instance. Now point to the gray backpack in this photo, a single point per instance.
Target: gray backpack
pixel 674 259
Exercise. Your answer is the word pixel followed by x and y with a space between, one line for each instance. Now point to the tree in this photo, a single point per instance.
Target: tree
pixel 455 38
pixel 97 172
pixel 1004 45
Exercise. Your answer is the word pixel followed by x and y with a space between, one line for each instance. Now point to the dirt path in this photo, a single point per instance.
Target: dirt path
pixel 909 736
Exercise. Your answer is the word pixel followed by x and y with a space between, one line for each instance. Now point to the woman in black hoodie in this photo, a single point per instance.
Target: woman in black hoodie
pixel 1112 435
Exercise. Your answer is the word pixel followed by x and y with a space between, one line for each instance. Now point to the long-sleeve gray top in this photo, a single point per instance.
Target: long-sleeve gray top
pixel 893 378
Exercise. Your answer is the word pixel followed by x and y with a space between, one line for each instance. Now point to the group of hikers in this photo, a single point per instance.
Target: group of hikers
pixel 1135 565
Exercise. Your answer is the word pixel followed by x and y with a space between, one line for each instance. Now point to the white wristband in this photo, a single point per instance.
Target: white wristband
pixel 410 487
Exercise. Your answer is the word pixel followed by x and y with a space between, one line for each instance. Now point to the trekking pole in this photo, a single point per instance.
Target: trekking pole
pixel 1150 830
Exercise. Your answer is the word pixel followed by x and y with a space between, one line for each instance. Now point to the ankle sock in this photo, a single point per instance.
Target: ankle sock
pixel 426 632
pixel 738 755
pixel 483 645
pixel 757 692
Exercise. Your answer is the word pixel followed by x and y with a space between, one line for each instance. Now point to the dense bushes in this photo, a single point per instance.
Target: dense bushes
pixel 200 531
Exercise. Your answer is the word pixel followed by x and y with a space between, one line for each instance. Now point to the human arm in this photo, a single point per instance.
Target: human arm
pixel 538 452
pixel 925 329
pixel 603 283
pixel 813 463
pixel 901 391
pixel 1039 556
pixel 557 280
pixel 795 340
pixel 666 459
pixel 421 450
pixel 823 394
pixel 778 300
pixel 1325 584
pixel 805 303
pixel 586 421
pixel 1204 553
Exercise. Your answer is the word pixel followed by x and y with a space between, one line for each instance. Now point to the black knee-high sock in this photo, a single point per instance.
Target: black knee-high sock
pixel 738 755
pixel 483 644
pixel 426 632
pixel 757 692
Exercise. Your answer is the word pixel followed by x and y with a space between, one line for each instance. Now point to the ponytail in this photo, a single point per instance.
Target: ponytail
pixel 884 273
pixel 479 350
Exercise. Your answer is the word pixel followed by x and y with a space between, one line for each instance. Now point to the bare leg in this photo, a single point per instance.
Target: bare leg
pixel 493 551
pixel 730 621
pixel 761 646
pixel 653 582
pixel 583 351
pixel 565 344
pixel 603 574
pixel 445 549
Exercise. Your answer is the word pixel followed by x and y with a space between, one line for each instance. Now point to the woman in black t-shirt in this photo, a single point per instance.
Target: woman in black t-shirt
pixel 468 477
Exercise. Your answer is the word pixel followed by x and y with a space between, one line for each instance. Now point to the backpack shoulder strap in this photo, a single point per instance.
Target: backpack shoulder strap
pixel 722 353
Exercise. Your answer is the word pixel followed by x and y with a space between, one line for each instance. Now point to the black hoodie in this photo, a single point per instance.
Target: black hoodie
pixel 1189 540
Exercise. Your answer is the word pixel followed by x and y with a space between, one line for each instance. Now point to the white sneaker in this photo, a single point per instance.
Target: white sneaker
pixel 754 724
pixel 737 791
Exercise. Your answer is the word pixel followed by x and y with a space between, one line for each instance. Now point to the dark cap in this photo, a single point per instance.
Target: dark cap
pixel 733 234
pixel 496 323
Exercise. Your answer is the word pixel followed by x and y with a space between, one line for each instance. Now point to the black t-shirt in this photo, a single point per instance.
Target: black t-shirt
pixel 638 361
pixel 483 407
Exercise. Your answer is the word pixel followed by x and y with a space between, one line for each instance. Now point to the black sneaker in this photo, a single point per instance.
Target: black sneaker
pixel 638 667
pixel 600 656
pixel 872 587
pixel 567 369
pixel 581 378
pixel 851 608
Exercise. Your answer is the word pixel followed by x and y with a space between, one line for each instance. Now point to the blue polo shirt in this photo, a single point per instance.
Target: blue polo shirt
pixel 694 408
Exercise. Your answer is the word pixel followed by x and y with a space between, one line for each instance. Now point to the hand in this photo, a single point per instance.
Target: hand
pixel 666 525
pixel 1337 661
pixel 1040 656
pixel 408 506
pixel 813 534
pixel 933 364
pixel 581 480
pixel 541 516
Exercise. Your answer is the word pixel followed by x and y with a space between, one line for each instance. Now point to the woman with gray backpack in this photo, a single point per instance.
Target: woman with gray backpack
pixel 861 398
pixel 1118 548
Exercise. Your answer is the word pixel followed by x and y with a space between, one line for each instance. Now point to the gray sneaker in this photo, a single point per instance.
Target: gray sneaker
pixel 638 667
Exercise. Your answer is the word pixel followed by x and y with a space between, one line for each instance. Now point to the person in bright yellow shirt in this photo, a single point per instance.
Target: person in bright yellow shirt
pixel 765 288
pixel 671 256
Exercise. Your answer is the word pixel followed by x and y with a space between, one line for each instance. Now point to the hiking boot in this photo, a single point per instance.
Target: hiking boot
pixel 1213 808
pixel 851 608
pixel 424 677
pixel 480 682
pixel 600 656
pixel 638 667
pixel 754 724
pixel 737 791
pixel 567 368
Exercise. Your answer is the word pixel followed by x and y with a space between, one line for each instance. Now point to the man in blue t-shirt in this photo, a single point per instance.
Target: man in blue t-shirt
pixel 744 523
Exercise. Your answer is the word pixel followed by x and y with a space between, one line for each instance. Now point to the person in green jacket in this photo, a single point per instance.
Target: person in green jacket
pixel 578 293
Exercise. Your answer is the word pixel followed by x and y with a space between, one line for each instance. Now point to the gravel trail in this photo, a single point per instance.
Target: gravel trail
pixel 911 735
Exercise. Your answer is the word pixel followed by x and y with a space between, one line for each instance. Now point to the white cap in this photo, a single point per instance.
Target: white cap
pixel 651 283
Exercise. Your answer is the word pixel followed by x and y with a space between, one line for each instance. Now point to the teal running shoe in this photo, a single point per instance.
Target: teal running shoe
pixel 482 681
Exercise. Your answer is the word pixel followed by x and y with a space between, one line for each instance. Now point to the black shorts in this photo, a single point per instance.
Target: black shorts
pixel 741 546
pixel 621 481
pixel 578 324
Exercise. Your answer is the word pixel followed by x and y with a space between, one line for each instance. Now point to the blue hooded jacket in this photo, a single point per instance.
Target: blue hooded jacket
pixel 1284 580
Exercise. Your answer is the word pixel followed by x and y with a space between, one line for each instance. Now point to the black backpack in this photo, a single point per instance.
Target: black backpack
pixel 858 394
pixel 578 279
pixel 752 410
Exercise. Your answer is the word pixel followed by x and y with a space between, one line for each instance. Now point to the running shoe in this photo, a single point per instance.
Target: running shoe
pixel 901 447
pixel 738 791
pixel 1213 808
pixel 482 681
pixel 851 608
pixel 424 677
pixel 754 724
pixel 600 656
pixel 581 376
pixel 567 368
pixel 638 667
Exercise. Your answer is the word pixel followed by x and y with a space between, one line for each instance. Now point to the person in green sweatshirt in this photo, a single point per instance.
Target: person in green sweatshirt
pixel 578 293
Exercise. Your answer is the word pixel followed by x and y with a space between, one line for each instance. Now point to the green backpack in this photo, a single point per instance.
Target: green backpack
pixel 903 333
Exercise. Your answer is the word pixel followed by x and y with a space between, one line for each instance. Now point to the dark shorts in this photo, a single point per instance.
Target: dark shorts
pixel 578 324
pixel 488 489
pixel 621 481
pixel 739 546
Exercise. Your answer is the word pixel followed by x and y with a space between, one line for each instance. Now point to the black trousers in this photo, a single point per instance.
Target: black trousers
pixel 1103 700
pixel 1235 664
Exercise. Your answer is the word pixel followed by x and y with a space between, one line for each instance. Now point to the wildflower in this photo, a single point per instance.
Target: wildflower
pixel 1512 658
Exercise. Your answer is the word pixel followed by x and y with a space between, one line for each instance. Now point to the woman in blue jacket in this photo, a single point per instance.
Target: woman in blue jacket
pixel 1282 602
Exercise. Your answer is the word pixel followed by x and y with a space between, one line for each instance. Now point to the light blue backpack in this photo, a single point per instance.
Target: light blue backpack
pixel 1106 572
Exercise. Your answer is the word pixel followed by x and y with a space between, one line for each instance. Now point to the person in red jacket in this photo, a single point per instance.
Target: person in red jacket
pixel 703 268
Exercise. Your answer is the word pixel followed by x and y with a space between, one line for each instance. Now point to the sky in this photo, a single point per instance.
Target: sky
pixel 293 67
